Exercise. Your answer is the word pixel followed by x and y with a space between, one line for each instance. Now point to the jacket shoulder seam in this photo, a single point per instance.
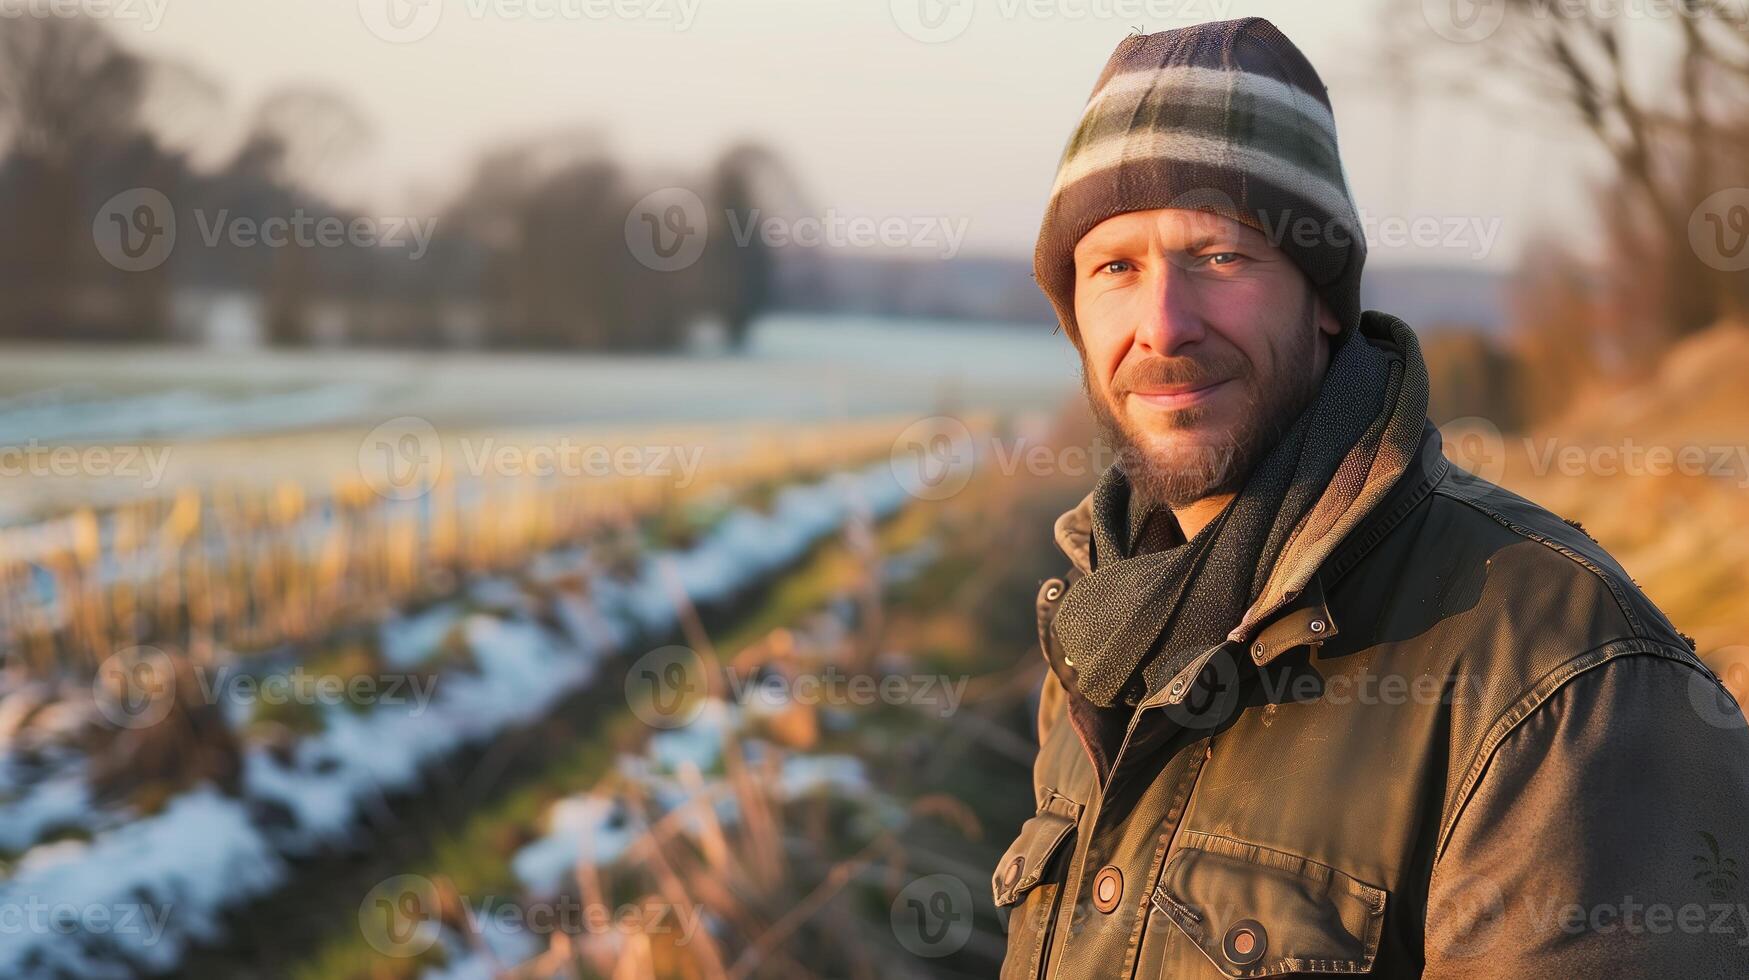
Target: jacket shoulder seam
pixel 1609 579
pixel 1531 701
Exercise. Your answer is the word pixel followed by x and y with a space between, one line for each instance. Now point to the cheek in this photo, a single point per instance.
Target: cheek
pixel 1105 335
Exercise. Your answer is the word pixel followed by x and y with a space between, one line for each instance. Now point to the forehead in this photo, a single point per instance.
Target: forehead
pixel 1173 228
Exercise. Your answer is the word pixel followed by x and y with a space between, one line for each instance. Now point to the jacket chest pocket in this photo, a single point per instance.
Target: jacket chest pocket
pixel 1253 911
pixel 1028 881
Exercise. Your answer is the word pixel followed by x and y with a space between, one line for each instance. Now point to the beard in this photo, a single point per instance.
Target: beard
pixel 1275 395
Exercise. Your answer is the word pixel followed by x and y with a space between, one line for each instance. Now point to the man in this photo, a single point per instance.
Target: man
pixel 1319 701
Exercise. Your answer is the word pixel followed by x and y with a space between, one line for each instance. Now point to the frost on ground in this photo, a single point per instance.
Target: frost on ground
pixel 135 896
pixel 677 779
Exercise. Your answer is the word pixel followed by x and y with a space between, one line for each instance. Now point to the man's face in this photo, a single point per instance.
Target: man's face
pixel 1200 346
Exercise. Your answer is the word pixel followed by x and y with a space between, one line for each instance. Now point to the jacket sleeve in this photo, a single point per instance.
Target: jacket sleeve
pixel 1606 838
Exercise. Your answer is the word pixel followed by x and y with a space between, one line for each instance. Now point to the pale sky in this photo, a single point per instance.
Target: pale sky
pixel 875 121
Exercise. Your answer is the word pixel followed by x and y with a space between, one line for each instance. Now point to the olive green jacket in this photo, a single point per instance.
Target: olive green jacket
pixel 1470 747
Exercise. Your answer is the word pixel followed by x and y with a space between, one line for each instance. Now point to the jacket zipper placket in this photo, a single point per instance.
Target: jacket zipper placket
pixel 1068 900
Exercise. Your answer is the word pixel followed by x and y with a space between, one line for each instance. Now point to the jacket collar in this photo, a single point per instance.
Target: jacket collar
pixel 1305 617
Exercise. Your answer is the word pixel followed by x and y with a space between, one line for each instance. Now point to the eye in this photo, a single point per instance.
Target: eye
pixel 1117 266
pixel 1221 259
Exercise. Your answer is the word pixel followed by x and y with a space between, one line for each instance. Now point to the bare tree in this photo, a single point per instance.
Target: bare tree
pixel 1665 98
pixel 181 105
pixel 298 137
pixel 66 89
pixel 64 86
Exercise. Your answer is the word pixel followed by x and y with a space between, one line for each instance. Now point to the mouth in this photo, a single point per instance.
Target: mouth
pixel 1177 396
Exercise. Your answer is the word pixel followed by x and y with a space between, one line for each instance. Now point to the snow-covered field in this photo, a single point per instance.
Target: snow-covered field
pixel 137 421
pixel 137 892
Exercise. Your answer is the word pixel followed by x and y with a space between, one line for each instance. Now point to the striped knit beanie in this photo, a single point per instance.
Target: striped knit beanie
pixel 1227 117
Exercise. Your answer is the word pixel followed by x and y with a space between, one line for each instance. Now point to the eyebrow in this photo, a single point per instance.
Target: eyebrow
pixel 1201 241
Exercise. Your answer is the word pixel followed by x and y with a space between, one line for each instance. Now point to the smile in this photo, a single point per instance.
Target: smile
pixel 1178 397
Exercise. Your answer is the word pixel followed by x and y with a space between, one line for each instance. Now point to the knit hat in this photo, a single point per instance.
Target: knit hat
pixel 1227 117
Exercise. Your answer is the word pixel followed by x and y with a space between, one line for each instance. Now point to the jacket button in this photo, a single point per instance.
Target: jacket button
pixel 1317 625
pixel 1245 942
pixel 1107 888
pixel 1012 875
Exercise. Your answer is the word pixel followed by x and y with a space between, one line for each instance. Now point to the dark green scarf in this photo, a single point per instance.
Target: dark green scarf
pixel 1151 603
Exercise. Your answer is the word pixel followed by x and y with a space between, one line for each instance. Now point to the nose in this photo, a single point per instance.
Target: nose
pixel 1171 318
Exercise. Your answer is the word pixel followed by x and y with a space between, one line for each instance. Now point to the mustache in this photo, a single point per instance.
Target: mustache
pixel 1158 372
